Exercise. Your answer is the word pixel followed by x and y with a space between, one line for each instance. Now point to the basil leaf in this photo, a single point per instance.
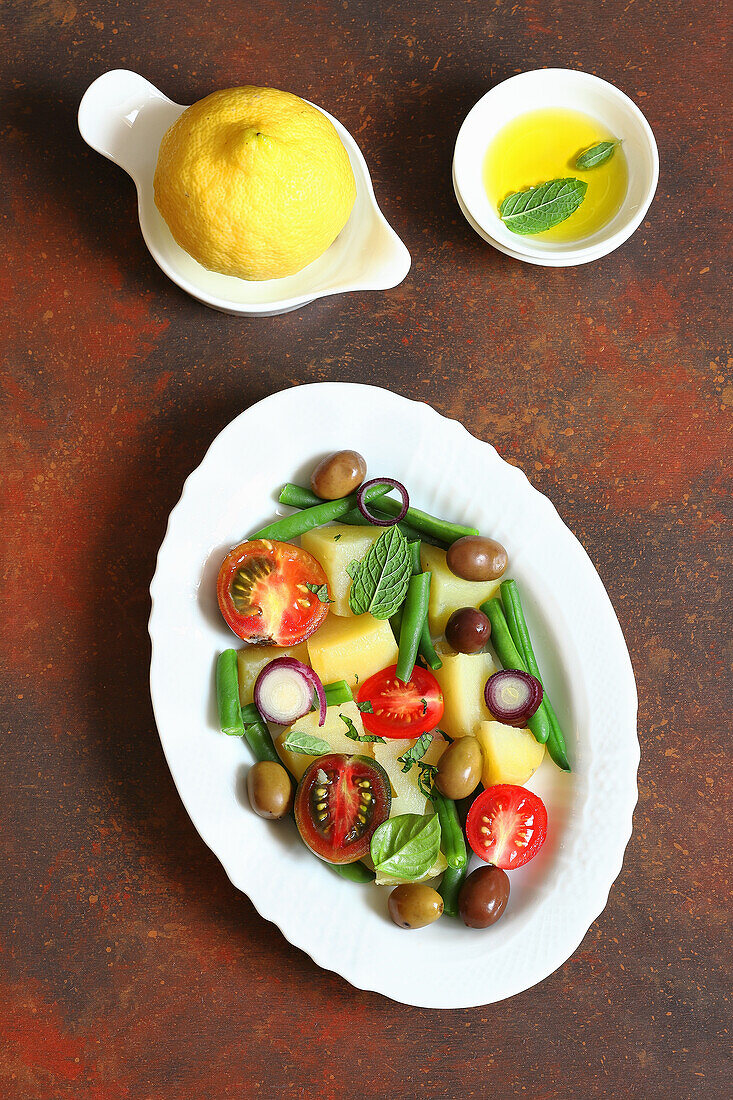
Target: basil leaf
pixel 365 707
pixel 428 773
pixel 542 207
pixel 597 154
pixel 406 846
pixel 352 733
pixel 305 744
pixel 380 579
pixel 416 753
pixel 320 590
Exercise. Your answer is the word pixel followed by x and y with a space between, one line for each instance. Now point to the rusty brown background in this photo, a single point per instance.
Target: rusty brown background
pixel 129 966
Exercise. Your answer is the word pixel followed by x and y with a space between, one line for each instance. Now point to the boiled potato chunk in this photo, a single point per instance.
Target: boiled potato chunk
pixel 333 732
pixel 351 649
pixel 437 869
pixel 335 548
pixel 462 680
pixel 253 658
pixel 407 798
pixel 449 592
pixel 510 755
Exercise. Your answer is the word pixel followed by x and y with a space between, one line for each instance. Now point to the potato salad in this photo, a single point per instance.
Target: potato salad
pixel 388 690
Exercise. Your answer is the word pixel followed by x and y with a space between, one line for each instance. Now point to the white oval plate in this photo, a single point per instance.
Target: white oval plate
pixel 343 927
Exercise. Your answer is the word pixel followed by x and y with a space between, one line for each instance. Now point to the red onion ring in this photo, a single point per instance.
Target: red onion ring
pixel 512 696
pixel 292 665
pixel 362 504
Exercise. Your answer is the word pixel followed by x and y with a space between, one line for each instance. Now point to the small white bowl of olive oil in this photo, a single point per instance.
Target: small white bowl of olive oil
pixel 531 129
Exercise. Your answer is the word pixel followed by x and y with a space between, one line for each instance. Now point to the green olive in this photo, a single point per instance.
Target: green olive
pixel 270 789
pixel 338 474
pixel 414 905
pixel 459 768
pixel 475 558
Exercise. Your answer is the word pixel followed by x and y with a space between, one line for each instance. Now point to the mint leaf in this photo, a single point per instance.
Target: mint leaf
pixel 406 846
pixel 352 733
pixel 597 154
pixel 380 579
pixel 542 207
pixel 305 744
pixel 365 707
pixel 320 590
pixel 416 753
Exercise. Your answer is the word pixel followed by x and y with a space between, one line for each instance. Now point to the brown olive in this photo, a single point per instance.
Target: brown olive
pixel 482 898
pixel 477 559
pixel 270 789
pixel 459 768
pixel 468 630
pixel 413 905
pixel 338 474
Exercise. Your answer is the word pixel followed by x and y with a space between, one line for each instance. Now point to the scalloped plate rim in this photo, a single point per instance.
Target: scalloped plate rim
pixel 315 950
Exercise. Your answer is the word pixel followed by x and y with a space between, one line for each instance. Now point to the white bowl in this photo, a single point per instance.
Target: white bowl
pixel 580 648
pixel 540 88
pixel 123 116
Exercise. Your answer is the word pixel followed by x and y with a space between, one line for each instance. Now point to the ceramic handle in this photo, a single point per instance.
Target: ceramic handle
pixel 123 116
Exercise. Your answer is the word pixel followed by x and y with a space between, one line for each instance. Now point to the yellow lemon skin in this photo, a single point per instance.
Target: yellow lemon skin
pixel 254 182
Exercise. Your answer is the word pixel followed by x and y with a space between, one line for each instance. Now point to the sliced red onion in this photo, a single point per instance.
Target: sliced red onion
pixel 284 690
pixel 513 697
pixel 362 503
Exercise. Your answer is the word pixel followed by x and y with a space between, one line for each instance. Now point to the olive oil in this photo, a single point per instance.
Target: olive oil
pixel 544 145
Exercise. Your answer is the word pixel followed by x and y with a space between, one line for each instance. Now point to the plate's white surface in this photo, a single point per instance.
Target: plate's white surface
pixel 581 651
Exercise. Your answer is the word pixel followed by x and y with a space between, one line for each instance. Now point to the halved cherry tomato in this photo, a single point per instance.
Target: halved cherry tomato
pixel 264 596
pixel 401 708
pixel 507 825
pixel 339 803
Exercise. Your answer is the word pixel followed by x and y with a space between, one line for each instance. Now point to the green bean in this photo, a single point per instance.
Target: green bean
pixel 227 694
pixel 414 548
pixel 259 740
pixel 421 522
pixel 336 693
pixel 520 633
pixel 395 621
pixel 427 649
pixel 291 527
pixel 354 518
pixel 425 645
pixel 450 888
pixel 509 657
pixel 299 497
pixel 414 611
pixel 451 833
pixel 426 524
pixel 354 872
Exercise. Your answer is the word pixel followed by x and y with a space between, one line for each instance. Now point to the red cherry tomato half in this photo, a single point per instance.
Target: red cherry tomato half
pixel 401 708
pixel 507 825
pixel 339 803
pixel 264 596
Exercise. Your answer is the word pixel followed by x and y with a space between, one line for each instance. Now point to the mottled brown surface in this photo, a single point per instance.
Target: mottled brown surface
pixel 129 966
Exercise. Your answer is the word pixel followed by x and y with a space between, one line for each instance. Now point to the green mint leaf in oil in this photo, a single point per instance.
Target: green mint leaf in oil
pixel 542 207
pixel 597 154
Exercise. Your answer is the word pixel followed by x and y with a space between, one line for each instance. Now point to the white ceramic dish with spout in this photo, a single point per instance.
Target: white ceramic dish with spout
pixel 123 117
pixel 540 88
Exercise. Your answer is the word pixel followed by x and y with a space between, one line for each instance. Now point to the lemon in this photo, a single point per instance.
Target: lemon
pixel 254 182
